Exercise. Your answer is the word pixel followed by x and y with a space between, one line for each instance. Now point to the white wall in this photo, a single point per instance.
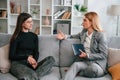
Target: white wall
pixel 108 22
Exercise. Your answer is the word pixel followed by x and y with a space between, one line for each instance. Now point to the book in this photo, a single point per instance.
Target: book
pixel 68 16
pixel 58 15
pixel 64 15
pixel 77 48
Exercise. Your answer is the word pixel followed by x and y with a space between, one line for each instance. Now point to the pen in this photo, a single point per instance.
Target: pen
pixel 79 49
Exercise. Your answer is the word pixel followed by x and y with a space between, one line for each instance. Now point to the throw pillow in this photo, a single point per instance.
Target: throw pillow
pixel 114 56
pixel 4 61
pixel 115 71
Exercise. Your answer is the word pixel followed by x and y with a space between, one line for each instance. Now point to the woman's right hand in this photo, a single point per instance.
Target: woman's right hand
pixel 32 61
pixel 60 35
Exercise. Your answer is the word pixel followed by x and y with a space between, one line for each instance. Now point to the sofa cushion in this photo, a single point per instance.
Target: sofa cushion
pixel 48 46
pixel 7 76
pixel 4 61
pixel 115 71
pixel 53 75
pixel 4 39
pixel 114 56
pixel 66 52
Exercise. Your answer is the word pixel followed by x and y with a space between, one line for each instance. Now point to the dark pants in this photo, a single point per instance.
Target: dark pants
pixel 24 72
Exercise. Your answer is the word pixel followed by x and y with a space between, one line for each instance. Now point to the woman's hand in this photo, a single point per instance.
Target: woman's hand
pixel 32 61
pixel 83 54
pixel 60 35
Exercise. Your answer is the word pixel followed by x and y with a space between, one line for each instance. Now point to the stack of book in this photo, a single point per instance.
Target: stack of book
pixel 62 14
pixel 58 13
pixel 66 15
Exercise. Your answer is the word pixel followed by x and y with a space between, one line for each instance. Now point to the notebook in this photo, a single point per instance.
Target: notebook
pixel 77 48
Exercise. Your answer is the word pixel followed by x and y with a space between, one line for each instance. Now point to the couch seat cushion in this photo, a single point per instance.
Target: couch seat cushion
pixel 4 61
pixel 7 76
pixel 114 56
pixel 54 75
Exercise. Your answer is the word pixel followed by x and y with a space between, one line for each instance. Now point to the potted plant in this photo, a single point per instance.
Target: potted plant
pixel 77 7
pixel 80 9
pixel 34 12
pixel 83 8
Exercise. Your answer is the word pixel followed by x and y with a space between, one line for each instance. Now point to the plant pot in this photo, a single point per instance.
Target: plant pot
pixel 12 10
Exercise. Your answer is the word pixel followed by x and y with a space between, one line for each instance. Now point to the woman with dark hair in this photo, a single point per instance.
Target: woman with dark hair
pixel 24 52
pixel 91 63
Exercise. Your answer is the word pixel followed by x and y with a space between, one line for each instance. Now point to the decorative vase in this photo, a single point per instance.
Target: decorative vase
pixel 12 5
pixel 18 9
pixel 12 10
pixel 46 22
pixel 4 14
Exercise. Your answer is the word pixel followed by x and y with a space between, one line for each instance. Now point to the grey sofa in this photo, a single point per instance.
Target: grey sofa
pixel 61 51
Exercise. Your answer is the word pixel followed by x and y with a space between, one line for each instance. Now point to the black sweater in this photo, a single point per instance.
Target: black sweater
pixel 24 45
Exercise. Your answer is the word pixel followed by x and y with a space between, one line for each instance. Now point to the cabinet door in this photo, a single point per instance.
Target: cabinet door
pixel 64 27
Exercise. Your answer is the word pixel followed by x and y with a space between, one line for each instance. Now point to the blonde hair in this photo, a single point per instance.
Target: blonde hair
pixel 94 19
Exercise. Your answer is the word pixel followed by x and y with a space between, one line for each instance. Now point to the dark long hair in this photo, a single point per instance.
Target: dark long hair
pixel 20 20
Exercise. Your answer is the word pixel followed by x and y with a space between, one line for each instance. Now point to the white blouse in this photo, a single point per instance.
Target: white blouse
pixel 87 43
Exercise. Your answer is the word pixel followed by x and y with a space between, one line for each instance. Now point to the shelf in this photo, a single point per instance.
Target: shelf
pixel 34 4
pixel 13 25
pixel 14 14
pixel 46 26
pixel 36 19
pixel 62 5
pixel 1 18
pixel 63 19
pixel 47 15
pixel 3 8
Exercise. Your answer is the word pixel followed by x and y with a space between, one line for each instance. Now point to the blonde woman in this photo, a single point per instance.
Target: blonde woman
pixel 92 62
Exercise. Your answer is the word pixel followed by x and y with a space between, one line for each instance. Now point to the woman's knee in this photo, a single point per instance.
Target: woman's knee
pixel 51 59
pixel 91 71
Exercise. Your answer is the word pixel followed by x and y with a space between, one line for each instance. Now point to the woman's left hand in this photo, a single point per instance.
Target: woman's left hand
pixel 32 61
pixel 83 54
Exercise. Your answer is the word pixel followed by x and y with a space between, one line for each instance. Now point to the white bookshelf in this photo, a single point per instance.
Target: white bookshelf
pixel 47 10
